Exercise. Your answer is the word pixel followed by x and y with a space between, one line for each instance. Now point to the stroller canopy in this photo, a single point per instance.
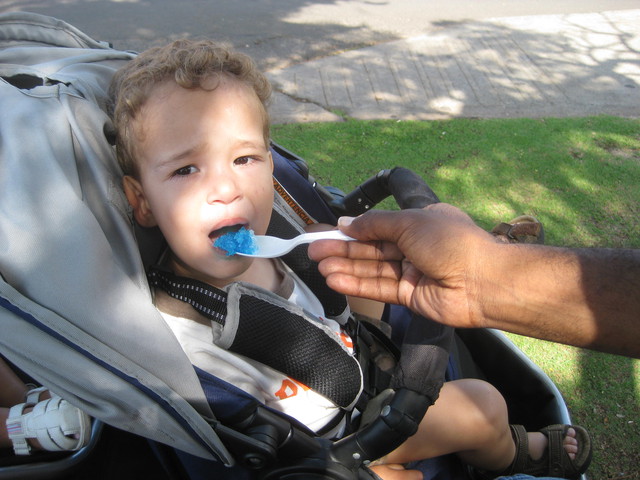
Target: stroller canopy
pixel 75 304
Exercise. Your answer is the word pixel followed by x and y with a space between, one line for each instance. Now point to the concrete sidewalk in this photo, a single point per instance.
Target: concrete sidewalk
pixel 570 65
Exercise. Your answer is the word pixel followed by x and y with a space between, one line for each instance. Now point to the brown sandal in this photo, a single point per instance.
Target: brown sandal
pixel 522 229
pixel 555 461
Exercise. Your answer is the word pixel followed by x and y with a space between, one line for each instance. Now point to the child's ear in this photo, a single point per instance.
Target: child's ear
pixel 138 201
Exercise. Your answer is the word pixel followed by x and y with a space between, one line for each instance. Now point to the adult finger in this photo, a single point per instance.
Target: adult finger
pixel 322 249
pixel 374 225
pixel 374 288
pixel 361 268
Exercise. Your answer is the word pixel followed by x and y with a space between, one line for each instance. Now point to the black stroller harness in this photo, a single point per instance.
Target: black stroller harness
pixel 258 324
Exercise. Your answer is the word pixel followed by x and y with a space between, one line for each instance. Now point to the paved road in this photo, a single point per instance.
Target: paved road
pixel 400 58
pixel 551 65
pixel 279 33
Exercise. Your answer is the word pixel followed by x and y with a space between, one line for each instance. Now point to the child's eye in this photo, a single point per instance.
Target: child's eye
pixel 244 160
pixel 184 171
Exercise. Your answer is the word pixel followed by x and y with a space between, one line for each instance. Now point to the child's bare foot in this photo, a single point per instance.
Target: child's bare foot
pixel 538 444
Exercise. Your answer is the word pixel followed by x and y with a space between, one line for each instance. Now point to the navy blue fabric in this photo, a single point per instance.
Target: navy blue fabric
pixel 446 467
pixel 399 319
pixel 289 175
pixel 226 400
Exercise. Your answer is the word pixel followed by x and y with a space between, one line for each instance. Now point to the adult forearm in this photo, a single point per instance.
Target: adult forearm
pixel 584 297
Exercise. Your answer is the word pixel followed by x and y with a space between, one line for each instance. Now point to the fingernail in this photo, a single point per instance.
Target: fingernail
pixel 345 221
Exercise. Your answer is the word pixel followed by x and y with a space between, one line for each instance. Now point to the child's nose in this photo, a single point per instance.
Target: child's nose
pixel 223 187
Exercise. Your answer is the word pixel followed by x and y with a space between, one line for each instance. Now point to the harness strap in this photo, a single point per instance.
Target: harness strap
pixel 209 301
pixel 262 326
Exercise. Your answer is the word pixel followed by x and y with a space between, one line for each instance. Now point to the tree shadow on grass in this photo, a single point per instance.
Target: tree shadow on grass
pixel 607 403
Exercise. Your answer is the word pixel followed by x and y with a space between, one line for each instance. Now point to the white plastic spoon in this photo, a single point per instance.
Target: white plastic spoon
pixel 271 247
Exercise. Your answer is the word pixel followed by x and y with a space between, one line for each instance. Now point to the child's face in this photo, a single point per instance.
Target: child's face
pixel 204 169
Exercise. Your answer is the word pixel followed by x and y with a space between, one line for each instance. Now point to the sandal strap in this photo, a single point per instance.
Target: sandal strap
pixel 33 395
pixel 521 439
pixel 15 430
pixel 555 450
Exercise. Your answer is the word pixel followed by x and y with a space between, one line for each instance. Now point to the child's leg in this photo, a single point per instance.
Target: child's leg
pixel 12 392
pixel 469 418
pixel 5 442
pixel 12 389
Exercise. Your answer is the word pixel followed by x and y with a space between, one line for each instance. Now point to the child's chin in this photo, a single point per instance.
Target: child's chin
pixel 223 255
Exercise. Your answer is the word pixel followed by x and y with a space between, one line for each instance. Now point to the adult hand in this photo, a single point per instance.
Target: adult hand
pixel 424 259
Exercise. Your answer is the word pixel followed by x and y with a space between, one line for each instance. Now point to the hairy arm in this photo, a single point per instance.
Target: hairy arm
pixel 583 297
pixel 437 262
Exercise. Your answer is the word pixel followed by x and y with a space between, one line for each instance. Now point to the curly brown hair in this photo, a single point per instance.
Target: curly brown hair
pixel 191 64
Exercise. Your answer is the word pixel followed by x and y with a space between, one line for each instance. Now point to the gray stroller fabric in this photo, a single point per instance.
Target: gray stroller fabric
pixel 75 309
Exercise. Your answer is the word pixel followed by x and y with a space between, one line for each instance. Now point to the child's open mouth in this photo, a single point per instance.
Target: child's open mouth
pixel 232 240
pixel 219 238
pixel 215 234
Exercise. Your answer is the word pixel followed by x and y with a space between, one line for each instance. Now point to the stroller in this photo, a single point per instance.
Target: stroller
pixel 77 316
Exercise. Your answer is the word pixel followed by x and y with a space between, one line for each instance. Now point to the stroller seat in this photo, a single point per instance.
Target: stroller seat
pixel 76 310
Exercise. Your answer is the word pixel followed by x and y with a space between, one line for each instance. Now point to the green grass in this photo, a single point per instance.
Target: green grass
pixel 579 176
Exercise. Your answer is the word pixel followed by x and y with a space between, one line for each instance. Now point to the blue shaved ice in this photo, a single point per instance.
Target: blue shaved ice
pixel 242 241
